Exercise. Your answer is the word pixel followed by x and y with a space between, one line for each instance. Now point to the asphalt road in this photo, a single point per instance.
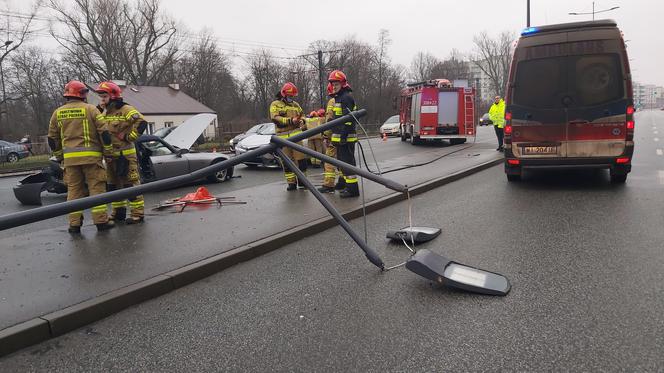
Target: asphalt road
pixel 584 257
pixel 245 177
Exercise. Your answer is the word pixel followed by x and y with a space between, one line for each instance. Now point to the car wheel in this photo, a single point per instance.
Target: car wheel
pixel 12 158
pixel 219 176
pixel 617 178
pixel 513 177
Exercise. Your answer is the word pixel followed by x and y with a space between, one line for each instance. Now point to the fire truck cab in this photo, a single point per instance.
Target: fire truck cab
pixel 436 110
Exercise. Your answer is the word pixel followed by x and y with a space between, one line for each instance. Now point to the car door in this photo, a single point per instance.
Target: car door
pixel 165 161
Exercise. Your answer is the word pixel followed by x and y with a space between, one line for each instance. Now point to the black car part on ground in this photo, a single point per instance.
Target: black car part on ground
pixel 29 190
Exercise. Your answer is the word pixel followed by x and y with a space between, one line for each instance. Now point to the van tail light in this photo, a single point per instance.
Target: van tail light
pixel 513 162
pixel 622 160
pixel 629 123
pixel 507 131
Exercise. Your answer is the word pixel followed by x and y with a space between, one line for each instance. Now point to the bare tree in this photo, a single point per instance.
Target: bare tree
pixel 421 68
pixel 493 56
pixel 266 75
pixel 111 39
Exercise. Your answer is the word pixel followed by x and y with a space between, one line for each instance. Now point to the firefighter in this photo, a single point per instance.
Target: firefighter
pixel 78 138
pixel 287 117
pixel 125 124
pixel 315 143
pixel 344 136
pixel 497 116
pixel 330 172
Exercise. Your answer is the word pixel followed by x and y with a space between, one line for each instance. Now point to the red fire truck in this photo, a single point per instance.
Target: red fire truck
pixel 437 110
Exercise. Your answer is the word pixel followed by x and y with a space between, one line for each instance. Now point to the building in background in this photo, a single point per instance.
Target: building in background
pixel 164 106
pixel 648 96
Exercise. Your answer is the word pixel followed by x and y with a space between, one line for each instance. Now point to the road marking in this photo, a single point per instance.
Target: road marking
pixel 655 132
pixel 659 152
pixel 656 139
pixel 661 177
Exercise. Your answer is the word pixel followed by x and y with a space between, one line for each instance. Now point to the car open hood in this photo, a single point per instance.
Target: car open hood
pixel 254 141
pixel 186 134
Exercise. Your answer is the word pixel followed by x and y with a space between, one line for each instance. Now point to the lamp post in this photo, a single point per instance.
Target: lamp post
pixel 527 13
pixel 593 12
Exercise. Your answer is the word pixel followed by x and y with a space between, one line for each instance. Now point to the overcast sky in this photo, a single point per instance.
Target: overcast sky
pixel 434 26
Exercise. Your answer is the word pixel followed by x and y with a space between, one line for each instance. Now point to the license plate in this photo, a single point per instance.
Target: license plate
pixel 540 150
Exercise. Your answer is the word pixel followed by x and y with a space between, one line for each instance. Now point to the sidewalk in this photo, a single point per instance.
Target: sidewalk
pixel 49 270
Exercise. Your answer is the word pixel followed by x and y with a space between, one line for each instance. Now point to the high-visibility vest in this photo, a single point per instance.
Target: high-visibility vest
pixel 281 114
pixel 497 114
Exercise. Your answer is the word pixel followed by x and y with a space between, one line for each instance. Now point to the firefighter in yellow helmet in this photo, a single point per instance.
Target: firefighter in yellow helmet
pixel 78 137
pixel 287 117
pixel 315 143
pixel 125 124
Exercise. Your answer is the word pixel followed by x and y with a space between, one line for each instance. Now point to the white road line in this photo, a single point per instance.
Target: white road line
pixel 655 132
pixel 660 152
pixel 656 139
pixel 661 177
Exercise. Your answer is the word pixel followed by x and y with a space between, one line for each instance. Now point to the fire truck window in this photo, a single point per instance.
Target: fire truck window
pixel 541 83
pixel 596 79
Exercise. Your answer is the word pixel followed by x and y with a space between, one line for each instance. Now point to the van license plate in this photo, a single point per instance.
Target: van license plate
pixel 540 150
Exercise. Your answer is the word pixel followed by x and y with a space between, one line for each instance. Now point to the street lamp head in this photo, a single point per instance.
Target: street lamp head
pixel 8 42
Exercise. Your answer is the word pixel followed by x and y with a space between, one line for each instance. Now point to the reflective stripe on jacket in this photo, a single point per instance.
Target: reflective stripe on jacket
pixel 123 123
pixel 282 113
pixel 76 128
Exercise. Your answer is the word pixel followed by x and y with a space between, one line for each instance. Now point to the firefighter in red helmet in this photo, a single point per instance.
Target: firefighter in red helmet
pixel 315 143
pixel 343 136
pixel 287 115
pixel 125 124
pixel 78 137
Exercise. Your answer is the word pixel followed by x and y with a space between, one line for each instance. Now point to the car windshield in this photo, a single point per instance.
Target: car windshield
pixel 162 132
pixel 254 129
pixel 157 148
pixel 572 81
pixel 268 129
pixel 392 119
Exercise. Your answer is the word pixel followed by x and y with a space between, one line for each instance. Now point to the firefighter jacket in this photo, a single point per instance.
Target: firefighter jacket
pixel 77 134
pixel 125 124
pixel 497 114
pixel 313 123
pixel 283 115
pixel 344 104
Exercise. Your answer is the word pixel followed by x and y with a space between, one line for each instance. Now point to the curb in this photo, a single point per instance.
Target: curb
pixel 57 323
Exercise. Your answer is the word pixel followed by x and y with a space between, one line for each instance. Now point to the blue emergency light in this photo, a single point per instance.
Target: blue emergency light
pixel 529 30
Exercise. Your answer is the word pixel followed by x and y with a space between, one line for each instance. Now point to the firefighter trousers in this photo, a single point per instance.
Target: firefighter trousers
pixel 329 170
pixel 317 146
pixel 115 181
pixel 299 160
pixel 76 178
pixel 346 153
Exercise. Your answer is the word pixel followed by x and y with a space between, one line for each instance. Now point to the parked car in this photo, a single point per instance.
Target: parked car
pixel 235 140
pixel 261 137
pixel 391 126
pixel 485 120
pixel 10 152
pixel 157 160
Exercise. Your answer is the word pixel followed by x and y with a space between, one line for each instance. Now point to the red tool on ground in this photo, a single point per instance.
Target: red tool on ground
pixel 202 196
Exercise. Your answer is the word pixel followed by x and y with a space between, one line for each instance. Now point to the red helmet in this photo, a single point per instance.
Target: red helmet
pixel 321 112
pixel 288 90
pixel 337 76
pixel 75 89
pixel 113 90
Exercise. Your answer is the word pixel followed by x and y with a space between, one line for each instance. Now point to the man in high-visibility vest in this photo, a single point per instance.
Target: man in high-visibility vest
pixel 286 114
pixel 125 124
pixel 344 136
pixel 497 116
pixel 330 172
pixel 315 143
pixel 78 137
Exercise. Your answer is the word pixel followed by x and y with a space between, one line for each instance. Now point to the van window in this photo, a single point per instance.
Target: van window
pixel 598 79
pixel 587 80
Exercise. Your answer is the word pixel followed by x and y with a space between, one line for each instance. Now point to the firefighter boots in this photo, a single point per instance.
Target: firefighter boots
pixel 326 189
pixel 291 186
pixel 105 226
pixel 134 220
pixel 351 191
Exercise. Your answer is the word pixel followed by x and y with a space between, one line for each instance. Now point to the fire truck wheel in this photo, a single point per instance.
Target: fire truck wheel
pixel 513 177
pixel 415 140
pixel 402 134
pixel 457 141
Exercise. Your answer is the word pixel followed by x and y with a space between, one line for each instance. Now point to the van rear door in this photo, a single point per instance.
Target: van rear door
pixel 539 117
pixel 597 103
